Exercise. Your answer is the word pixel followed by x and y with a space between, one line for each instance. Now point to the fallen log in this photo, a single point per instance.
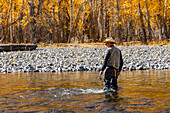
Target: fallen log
pixel 17 47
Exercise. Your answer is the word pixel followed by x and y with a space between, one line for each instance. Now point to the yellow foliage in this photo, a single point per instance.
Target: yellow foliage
pixel 128 9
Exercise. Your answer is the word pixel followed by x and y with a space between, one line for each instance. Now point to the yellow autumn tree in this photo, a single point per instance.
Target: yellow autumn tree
pixel 55 21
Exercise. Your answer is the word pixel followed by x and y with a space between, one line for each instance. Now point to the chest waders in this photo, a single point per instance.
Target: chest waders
pixel 115 60
pixel 110 80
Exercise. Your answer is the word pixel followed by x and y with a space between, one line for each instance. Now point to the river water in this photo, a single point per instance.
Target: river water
pixel 78 92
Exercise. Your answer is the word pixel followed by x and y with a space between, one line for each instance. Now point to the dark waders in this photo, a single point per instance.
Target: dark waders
pixel 110 79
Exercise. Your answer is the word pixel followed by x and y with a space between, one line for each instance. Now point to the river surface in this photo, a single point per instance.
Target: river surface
pixel 79 92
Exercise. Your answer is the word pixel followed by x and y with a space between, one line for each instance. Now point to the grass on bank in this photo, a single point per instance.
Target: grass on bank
pixel 132 43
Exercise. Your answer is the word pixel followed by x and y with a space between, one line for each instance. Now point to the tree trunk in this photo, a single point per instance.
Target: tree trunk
pixel 83 22
pixel 100 22
pixel 59 23
pixel 38 25
pixel 33 22
pixel 160 27
pixel 119 22
pixel 130 30
pixel 106 20
pixel 1 30
pixel 13 27
pixel 165 22
pixel 62 26
pixel 53 25
pixel 73 31
pixel 71 15
pixel 20 31
pixel 39 8
pixel 127 36
pixel 112 33
pixel 160 19
pixel 148 21
pixel 67 24
pixel 10 20
pixel 144 39
pixel 90 21
pixel 94 22
pixel 71 10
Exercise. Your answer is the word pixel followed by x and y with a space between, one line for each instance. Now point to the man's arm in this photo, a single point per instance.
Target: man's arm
pixel 105 62
pixel 121 62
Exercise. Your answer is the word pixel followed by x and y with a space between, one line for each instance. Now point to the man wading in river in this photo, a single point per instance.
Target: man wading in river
pixel 112 65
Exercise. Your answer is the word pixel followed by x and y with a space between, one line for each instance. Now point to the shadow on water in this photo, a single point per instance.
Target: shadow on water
pixel 75 92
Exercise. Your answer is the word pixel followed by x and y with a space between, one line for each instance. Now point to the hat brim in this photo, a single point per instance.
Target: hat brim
pixel 109 41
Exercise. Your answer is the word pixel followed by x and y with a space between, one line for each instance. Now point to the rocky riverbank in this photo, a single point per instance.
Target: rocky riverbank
pixel 61 59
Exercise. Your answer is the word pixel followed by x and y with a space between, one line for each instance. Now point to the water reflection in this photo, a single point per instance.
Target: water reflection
pixel 139 91
pixel 111 96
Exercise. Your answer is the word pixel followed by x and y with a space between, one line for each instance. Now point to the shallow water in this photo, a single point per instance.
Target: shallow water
pixel 139 91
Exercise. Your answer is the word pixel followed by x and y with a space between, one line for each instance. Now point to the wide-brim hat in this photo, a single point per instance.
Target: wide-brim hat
pixel 109 39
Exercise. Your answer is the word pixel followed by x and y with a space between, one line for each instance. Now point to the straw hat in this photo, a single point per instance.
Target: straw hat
pixel 109 39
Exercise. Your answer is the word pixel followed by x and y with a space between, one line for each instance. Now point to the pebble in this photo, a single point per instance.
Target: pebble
pixel 63 59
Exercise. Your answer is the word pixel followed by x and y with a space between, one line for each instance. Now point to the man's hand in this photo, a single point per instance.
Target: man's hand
pixel 100 74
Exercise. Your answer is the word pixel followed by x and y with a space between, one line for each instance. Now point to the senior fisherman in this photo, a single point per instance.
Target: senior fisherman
pixel 112 65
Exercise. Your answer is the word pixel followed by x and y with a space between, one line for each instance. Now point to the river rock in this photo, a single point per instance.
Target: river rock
pixel 61 59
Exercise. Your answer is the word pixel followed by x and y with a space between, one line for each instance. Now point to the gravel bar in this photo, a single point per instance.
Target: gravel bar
pixel 62 59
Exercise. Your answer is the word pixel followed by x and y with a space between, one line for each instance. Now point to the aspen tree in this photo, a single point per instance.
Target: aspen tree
pixel 160 21
pixel 34 21
pixel 1 24
pixel 144 39
pixel 119 21
pixel 165 24
pixel 107 22
pixel 59 22
pixel 148 21
pixel 83 22
pixel 13 19
pixel 10 20
pixel 100 22
pixel 20 31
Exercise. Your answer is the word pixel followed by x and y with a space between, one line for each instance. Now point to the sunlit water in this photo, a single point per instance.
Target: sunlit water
pixel 77 92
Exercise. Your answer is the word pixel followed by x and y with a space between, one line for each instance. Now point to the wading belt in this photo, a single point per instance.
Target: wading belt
pixel 115 70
